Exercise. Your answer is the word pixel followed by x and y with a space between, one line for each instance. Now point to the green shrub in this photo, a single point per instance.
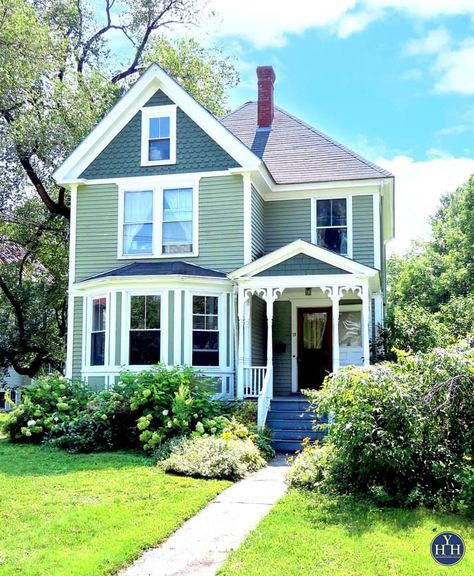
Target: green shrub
pixel 212 457
pixel 47 405
pixel 403 433
pixel 106 423
pixel 309 468
pixel 246 412
pixel 169 402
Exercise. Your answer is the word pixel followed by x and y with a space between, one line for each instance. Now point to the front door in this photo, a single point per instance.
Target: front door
pixel 314 346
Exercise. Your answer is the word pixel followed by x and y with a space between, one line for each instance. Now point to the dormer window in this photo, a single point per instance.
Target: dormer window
pixel 158 135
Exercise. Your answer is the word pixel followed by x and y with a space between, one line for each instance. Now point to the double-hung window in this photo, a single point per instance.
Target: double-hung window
pixel 205 336
pixel 158 135
pixel 331 225
pixel 138 222
pixel 177 220
pixel 145 333
pixel 98 327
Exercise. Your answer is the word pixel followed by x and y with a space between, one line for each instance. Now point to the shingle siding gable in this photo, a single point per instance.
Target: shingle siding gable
pixel 195 150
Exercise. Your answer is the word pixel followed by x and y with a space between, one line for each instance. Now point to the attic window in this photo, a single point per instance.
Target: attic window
pixel 158 135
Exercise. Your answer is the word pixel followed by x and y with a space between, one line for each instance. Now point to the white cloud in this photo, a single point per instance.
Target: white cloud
pixel 432 43
pixel 455 69
pixel 268 22
pixel 418 188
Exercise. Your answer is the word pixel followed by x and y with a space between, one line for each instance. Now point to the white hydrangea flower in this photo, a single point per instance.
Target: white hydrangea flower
pixel 165 412
pixel 31 423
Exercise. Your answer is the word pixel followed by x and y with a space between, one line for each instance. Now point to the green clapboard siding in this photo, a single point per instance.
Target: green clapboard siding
pixel 301 265
pixel 220 228
pixel 77 337
pixel 195 151
pixel 96 230
pixel 286 221
pixel 259 331
pixel 282 341
pixel 258 225
pixel 363 230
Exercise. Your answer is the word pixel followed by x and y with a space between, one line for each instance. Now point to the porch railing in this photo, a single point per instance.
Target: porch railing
pixel 254 377
pixel 265 396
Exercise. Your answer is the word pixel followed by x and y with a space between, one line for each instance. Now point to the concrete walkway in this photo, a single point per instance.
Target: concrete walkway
pixel 202 544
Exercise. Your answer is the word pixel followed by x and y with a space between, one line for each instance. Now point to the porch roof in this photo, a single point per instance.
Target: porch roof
pixel 335 262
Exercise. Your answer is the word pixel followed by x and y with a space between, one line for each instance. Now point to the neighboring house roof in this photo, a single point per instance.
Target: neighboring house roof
pixel 160 269
pixel 13 253
pixel 295 152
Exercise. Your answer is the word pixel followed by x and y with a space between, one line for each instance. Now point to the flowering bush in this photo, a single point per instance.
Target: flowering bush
pixel 212 457
pixel 402 433
pixel 47 405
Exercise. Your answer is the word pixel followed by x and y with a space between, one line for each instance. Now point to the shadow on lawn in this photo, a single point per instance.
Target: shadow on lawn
pixel 17 459
pixel 357 516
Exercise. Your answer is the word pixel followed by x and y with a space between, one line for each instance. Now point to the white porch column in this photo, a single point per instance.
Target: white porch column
pixel 365 323
pixel 269 299
pixel 240 359
pixel 247 331
pixel 335 296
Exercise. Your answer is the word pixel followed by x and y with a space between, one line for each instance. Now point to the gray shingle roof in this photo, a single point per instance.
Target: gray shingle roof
pixel 159 269
pixel 295 152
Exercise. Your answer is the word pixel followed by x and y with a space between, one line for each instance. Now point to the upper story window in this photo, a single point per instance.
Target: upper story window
pixel 331 225
pixel 138 222
pixel 177 220
pixel 160 222
pixel 98 326
pixel 158 135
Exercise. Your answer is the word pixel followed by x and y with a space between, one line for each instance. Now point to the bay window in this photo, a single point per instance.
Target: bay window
pixel 145 332
pixel 98 327
pixel 205 331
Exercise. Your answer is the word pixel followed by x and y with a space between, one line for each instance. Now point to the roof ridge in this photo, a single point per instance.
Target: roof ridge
pixel 235 110
pixel 335 142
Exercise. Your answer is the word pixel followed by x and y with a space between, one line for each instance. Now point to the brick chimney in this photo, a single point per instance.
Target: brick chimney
pixel 266 79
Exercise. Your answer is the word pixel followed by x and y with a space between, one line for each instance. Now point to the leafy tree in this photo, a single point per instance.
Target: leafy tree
pixel 431 289
pixel 58 78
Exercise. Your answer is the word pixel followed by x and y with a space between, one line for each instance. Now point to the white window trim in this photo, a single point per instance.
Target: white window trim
pixel 157 112
pixel 188 329
pixel 157 232
pixel 87 331
pixel 314 227
pixel 125 344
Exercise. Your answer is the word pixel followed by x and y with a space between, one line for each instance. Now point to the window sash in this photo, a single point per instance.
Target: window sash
pixel 331 226
pixel 210 336
pixel 98 330
pixel 148 339
pixel 136 222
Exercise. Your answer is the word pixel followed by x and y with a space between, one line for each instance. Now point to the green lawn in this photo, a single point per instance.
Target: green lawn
pixel 313 535
pixel 63 514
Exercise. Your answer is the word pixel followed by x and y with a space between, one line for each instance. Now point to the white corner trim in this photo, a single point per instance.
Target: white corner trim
pixel 70 335
pixel 301 247
pixel 148 112
pixel 72 235
pixel 377 237
pixel 247 199
pixel 153 79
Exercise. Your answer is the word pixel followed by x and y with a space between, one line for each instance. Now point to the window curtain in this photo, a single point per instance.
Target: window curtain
pixel 138 207
pixel 314 327
pixel 350 329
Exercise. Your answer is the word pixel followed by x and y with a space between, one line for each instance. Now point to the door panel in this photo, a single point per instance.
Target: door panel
pixel 314 346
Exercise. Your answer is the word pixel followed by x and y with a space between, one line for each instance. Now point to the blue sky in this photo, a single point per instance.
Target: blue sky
pixel 392 79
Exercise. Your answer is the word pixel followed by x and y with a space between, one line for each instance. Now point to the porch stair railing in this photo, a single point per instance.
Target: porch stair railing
pixel 265 396
pixel 254 377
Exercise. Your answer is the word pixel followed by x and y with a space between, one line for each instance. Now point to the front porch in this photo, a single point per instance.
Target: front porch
pixel 291 336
